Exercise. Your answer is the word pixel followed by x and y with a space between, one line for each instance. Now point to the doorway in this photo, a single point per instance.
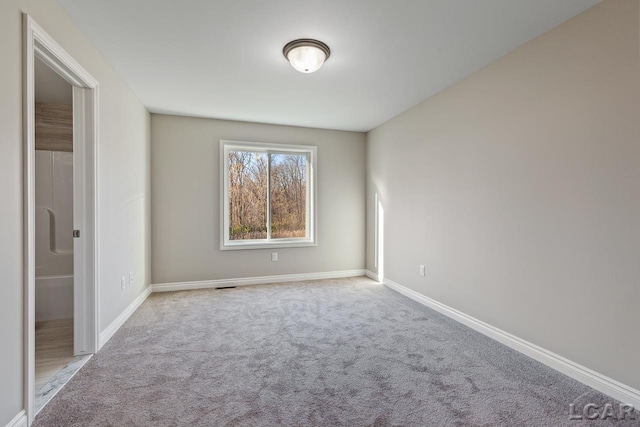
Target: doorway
pixel 60 207
pixel 53 231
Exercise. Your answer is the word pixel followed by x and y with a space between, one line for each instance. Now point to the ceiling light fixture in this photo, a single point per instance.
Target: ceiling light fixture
pixel 306 55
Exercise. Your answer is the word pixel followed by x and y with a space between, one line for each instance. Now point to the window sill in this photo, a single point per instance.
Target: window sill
pixel 270 245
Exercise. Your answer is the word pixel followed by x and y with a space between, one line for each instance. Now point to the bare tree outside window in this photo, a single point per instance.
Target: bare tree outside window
pixel 261 183
pixel 247 195
pixel 288 195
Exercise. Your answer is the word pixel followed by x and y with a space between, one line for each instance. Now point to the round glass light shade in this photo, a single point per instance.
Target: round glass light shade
pixel 306 59
pixel 306 55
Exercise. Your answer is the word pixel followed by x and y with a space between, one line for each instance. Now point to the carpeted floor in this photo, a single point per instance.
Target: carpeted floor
pixel 327 353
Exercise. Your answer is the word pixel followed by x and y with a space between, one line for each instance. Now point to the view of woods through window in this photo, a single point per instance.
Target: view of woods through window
pixel 262 183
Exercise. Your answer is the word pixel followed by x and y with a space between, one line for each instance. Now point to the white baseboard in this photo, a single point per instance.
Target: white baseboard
pixel 600 382
pixel 110 330
pixel 19 420
pixel 244 281
pixel 371 275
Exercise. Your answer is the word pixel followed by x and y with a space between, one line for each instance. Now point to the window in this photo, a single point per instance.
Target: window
pixel 268 195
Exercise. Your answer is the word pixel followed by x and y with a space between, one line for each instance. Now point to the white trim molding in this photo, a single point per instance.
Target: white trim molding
pixel 374 276
pixel 113 327
pixel 19 420
pixel 593 379
pixel 244 281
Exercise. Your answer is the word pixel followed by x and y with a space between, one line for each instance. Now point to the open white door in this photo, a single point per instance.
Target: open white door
pixel 84 325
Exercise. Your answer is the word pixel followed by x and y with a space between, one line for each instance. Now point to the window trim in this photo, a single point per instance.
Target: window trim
pixel 311 223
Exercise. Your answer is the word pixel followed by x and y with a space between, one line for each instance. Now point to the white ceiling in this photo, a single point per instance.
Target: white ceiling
pixel 50 87
pixel 223 58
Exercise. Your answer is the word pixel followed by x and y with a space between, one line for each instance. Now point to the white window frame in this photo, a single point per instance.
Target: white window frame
pixel 310 240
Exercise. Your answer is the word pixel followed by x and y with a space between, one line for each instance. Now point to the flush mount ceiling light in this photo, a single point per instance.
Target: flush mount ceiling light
pixel 306 55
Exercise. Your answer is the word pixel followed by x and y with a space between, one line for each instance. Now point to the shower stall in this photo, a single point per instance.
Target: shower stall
pixel 54 235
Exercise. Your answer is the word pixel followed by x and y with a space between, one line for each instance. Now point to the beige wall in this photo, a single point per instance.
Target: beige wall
pixel 185 171
pixel 124 184
pixel 518 188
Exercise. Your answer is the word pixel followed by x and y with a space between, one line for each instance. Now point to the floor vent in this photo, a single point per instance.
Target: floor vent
pixel 226 287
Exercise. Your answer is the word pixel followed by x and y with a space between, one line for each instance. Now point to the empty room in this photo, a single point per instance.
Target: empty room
pixel 331 213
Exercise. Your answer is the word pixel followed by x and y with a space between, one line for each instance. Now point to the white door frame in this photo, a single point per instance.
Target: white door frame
pixel 37 43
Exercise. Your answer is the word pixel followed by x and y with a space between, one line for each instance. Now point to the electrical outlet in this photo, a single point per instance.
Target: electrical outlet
pixel 122 283
pixel 131 278
pixel 422 270
pixel 274 256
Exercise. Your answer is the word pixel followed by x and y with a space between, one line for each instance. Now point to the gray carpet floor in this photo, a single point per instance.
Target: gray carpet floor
pixel 345 352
